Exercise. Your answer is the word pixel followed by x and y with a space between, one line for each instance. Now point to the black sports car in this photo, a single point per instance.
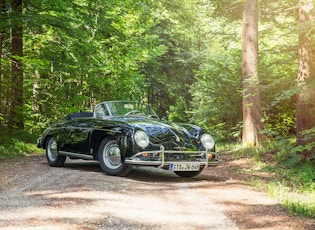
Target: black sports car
pixel 122 134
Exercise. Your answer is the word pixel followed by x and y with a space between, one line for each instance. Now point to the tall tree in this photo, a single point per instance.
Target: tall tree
pixel 252 115
pixel 16 109
pixel 305 104
pixel 2 34
pixel 6 23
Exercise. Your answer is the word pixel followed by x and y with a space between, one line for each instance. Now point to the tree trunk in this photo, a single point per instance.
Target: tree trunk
pixel 16 110
pixel 305 103
pixel 4 6
pixel 252 115
pixel 1 113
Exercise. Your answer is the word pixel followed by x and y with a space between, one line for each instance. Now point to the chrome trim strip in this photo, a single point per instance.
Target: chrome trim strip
pixel 85 128
pixel 158 163
pixel 138 162
pixel 170 151
pixel 76 155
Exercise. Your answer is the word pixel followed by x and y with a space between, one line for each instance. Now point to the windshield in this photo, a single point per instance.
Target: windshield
pixel 122 108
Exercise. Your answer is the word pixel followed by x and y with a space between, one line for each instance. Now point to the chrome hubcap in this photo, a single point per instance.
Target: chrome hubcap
pixel 52 150
pixel 112 156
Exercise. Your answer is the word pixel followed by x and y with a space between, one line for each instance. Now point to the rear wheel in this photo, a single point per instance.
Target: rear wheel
pixel 52 154
pixel 188 174
pixel 109 156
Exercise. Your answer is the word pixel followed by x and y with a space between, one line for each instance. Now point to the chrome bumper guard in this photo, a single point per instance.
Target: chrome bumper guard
pixel 135 159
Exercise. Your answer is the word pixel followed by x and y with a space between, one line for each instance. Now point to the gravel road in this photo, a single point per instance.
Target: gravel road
pixel 80 196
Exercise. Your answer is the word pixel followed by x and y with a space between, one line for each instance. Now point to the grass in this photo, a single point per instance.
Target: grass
pixel 291 182
pixel 300 202
pixel 17 144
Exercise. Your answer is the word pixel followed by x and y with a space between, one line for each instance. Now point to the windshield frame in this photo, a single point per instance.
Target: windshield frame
pixel 122 108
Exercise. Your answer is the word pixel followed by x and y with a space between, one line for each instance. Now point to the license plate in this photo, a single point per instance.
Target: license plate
pixel 184 167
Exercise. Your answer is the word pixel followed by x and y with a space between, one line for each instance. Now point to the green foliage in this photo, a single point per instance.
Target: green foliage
pixel 297 188
pixel 288 151
pixel 179 112
pixel 217 99
pixel 180 31
pixel 280 125
pixel 278 67
pixel 216 93
pixel 291 182
pixel 238 151
pixel 17 144
pixel 84 52
pixel 296 202
pixel 182 57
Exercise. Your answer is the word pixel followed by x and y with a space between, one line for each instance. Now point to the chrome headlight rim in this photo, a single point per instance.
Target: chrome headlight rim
pixel 207 141
pixel 141 139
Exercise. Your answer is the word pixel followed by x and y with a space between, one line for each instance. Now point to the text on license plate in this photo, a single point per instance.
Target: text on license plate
pixel 184 166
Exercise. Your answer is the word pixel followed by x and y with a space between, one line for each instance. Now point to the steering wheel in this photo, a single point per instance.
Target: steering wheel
pixel 132 112
pixel 153 116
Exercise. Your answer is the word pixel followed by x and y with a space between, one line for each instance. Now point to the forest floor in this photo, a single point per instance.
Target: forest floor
pixel 80 196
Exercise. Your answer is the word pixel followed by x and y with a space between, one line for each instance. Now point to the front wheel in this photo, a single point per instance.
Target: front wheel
pixel 110 159
pixel 188 174
pixel 52 154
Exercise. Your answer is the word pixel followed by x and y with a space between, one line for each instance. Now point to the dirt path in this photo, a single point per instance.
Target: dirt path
pixel 80 196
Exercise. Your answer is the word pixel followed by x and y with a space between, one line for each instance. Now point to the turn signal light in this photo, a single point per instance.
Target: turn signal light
pixel 210 156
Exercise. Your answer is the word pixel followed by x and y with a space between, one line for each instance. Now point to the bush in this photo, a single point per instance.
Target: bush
pixel 17 144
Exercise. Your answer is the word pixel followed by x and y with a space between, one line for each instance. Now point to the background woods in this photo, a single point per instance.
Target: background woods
pixel 182 57
pixel 305 104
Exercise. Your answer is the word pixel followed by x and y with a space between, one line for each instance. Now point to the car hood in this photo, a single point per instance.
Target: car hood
pixel 164 131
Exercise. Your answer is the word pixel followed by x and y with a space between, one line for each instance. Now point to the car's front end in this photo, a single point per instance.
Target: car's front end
pixel 175 147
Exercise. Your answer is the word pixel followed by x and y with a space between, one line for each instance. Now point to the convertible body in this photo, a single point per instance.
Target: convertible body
pixel 122 134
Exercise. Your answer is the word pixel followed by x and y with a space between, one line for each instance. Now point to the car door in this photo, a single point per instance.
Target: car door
pixel 77 139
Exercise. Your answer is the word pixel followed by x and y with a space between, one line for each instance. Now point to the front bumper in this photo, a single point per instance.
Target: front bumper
pixel 204 158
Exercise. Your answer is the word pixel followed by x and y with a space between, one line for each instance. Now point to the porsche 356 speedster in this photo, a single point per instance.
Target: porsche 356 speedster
pixel 123 134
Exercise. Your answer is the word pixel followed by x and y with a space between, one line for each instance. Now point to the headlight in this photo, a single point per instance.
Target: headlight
pixel 142 139
pixel 207 141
